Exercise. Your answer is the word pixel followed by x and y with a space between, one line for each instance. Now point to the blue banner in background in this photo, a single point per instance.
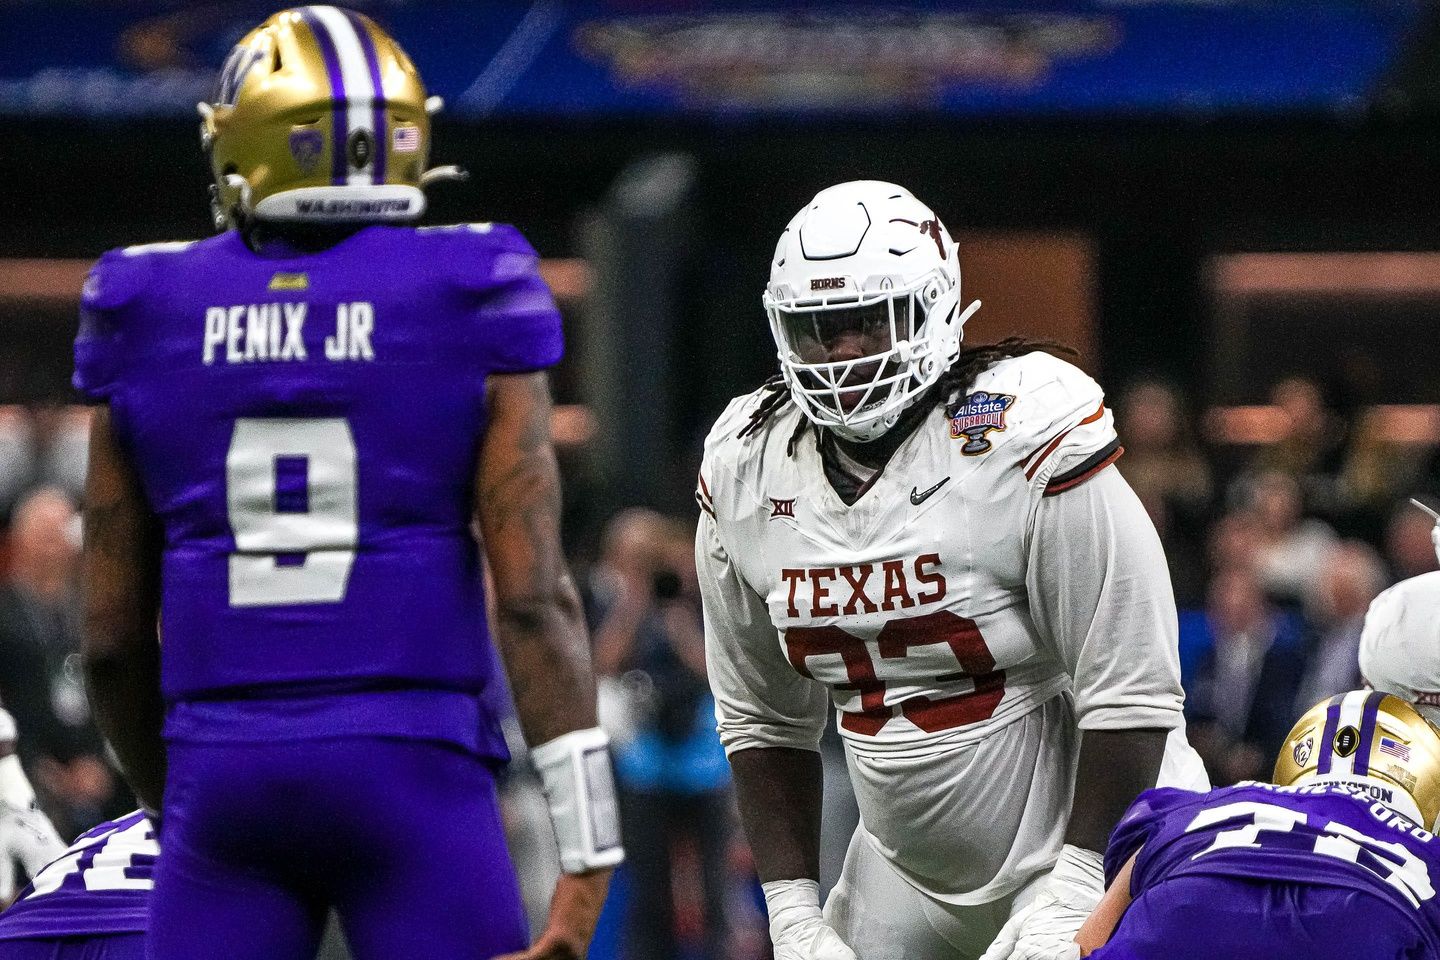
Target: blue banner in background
pixel 597 59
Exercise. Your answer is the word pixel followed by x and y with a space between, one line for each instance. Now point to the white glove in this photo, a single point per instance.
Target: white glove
pixel 26 834
pixel 797 928
pixel 1045 929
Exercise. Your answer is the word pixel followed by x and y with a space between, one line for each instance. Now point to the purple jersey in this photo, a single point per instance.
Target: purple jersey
pixel 101 885
pixel 306 426
pixel 1329 836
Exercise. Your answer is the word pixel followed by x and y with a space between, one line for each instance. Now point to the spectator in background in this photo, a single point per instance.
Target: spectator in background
pixel 40 679
pixel 1251 656
pixel 1170 475
pixel 1161 461
pixel 1312 445
pixel 1409 551
pixel 1351 576
pixel 17 457
pixel 1289 547
pixel 672 773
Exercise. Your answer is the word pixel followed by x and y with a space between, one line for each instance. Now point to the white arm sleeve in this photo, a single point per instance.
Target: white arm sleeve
pixel 760 699
pixel 1100 590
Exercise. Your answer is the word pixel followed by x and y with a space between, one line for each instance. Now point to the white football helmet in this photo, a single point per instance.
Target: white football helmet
pixel 1400 643
pixel 867 260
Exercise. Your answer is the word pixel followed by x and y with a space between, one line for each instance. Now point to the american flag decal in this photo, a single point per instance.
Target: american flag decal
pixel 406 139
pixel 1394 748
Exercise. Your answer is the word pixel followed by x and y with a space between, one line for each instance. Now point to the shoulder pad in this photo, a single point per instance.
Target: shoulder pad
pixel 731 458
pixel 484 255
pixel 1057 427
pixel 168 246
pixel 514 323
pixel 1048 391
pixel 116 278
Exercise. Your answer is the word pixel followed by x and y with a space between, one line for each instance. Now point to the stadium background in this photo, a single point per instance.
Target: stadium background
pixel 1229 207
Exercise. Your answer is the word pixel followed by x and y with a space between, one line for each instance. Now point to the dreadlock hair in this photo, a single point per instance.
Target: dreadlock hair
pixel 951 385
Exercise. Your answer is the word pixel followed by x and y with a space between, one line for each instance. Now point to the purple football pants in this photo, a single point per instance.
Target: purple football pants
pixel 403 838
pixel 1210 918
pixel 119 946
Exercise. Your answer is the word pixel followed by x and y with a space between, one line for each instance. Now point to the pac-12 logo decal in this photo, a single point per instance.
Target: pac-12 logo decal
pixel 1303 749
pixel 306 145
pixel 782 508
pixel 980 413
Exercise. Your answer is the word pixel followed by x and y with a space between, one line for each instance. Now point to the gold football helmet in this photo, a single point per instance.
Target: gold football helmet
pixel 318 116
pixel 1371 739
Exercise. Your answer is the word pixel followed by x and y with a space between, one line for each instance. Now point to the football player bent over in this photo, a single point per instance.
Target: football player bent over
pixel 1400 642
pixel 92 903
pixel 932 535
pixel 296 422
pixel 1337 860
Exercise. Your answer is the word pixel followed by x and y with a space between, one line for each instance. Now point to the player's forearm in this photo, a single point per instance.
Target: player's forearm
pixel 539 623
pixel 780 790
pixel 542 640
pixel 1115 767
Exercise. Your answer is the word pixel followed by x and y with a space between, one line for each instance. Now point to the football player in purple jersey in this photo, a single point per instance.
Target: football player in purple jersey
pixel 296 422
pixel 91 903
pixel 1335 860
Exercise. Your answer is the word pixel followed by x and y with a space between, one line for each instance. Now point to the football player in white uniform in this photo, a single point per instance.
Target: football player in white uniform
pixel 1400 642
pixel 931 536
pixel 26 835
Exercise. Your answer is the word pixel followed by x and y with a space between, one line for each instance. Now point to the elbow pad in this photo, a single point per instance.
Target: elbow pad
pixel 579 786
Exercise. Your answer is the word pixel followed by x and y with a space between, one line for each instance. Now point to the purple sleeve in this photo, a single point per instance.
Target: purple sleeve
pixel 1139 824
pixel 114 281
pixel 97 345
pixel 516 319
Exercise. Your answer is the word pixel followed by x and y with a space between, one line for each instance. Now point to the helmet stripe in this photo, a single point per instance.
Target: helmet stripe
pixel 1367 732
pixel 340 132
pixel 1327 739
pixel 372 62
pixel 357 81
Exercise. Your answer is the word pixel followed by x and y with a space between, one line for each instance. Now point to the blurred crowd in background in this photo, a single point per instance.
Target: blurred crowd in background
pixel 1275 550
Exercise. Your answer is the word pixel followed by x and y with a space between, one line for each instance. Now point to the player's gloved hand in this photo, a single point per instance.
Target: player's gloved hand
pixel 797 928
pixel 574 911
pixel 1045 928
pixel 28 836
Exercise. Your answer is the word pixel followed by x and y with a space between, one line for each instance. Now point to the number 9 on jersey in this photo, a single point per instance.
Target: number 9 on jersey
pixel 290 488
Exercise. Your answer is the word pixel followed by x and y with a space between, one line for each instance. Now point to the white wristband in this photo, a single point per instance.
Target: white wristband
pixel 793 906
pixel 580 788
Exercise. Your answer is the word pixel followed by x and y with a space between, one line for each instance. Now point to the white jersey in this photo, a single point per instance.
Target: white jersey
pixel 956 596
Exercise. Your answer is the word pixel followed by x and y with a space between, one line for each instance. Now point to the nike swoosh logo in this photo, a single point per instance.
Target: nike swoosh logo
pixel 917 498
